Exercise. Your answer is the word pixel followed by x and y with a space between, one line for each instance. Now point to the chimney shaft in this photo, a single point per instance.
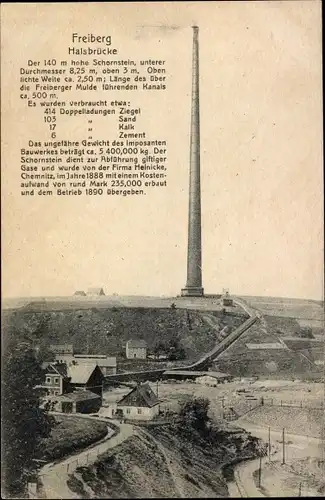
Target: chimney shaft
pixel 194 254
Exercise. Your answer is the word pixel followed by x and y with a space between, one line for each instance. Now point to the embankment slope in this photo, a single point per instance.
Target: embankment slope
pixel 160 462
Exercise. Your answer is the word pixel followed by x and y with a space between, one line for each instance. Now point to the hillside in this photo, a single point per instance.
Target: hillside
pixel 160 462
pixel 241 360
pixel 106 330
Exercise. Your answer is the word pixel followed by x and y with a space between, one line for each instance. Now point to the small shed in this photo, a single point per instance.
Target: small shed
pixel 83 401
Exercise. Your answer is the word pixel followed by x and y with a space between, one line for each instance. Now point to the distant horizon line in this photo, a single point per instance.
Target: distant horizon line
pixel 107 295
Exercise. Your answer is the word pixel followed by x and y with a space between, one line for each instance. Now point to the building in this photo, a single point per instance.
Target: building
pixel 64 358
pixel 106 364
pixel 203 376
pixel 76 402
pixel 65 349
pixel 95 292
pixel 213 378
pixel 136 349
pixel 227 301
pixel 80 293
pixel 139 404
pixel 56 379
pixel 73 388
pixel 86 376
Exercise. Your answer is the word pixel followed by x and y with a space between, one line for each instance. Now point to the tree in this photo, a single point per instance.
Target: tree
pixel 194 415
pixel 305 332
pixel 177 354
pixel 23 422
pixel 159 348
pixel 176 350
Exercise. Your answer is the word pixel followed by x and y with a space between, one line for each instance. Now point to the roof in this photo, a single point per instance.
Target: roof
pixel 76 396
pixel 57 368
pixel 62 348
pixel 62 369
pixel 80 373
pixel 80 292
pixel 100 361
pixel 95 291
pixel 196 373
pixel 136 343
pixel 142 395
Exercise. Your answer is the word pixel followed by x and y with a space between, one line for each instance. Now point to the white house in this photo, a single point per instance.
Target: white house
pixel 136 349
pixel 139 404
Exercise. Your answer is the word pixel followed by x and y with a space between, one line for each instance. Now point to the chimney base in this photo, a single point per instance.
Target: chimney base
pixel 192 291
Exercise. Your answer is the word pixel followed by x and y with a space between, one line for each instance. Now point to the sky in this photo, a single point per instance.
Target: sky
pixel 261 153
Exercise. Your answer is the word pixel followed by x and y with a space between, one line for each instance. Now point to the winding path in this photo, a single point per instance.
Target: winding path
pixel 54 476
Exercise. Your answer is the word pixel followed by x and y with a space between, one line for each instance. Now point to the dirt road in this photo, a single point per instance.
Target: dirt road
pixel 54 476
pixel 277 485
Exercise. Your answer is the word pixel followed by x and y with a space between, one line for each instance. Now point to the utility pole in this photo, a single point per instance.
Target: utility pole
pixel 283 448
pixel 260 473
pixel 269 444
pixel 157 388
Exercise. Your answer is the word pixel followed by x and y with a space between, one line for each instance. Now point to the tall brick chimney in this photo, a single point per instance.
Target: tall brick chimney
pixel 193 286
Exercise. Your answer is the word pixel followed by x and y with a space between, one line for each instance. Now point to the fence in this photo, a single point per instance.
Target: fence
pixel 293 404
pixel 231 413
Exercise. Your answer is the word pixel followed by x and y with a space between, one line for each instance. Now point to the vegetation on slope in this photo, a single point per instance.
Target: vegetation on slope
pixel 68 435
pixel 164 461
pixel 106 331
pixel 24 424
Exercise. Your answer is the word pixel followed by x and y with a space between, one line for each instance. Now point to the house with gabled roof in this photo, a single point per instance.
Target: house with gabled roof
pixel 73 388
pixel 87 376
pixel 139 404
pixel 56 379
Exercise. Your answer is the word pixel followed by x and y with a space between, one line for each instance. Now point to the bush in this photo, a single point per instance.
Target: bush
pixel 194 415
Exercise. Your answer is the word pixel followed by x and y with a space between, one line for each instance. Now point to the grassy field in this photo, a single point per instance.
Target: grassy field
pixel 69 435
pixel 303 421
pixel 106 330
pixel 79 302
pixel 295 308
